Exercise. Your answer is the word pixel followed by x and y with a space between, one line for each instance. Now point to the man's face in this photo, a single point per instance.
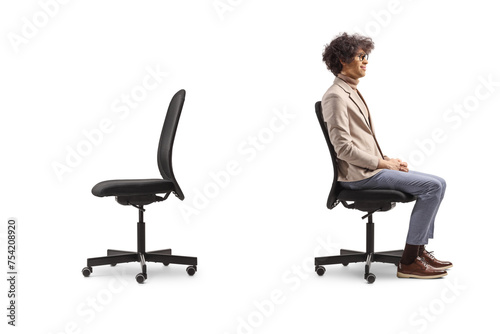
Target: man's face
pixel 357 67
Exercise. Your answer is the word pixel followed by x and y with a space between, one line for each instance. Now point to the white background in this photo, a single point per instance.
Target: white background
pixel 240 65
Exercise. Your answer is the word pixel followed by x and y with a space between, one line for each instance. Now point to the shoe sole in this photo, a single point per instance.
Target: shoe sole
pixel 401 275
pixel 444 268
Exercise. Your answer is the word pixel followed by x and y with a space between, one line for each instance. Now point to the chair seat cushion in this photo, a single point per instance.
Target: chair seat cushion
pixel 375 195
pixel 132 187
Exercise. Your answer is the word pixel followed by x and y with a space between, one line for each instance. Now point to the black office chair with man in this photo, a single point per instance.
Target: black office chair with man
pixel 369 201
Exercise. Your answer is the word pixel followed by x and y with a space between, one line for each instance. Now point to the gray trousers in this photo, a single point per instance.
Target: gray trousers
pixel 428 189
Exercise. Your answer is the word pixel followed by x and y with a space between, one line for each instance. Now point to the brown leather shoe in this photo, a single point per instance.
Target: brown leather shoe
pixel 433 262
pixel 419 269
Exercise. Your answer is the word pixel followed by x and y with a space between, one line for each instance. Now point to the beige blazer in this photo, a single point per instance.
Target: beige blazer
pixel 351 132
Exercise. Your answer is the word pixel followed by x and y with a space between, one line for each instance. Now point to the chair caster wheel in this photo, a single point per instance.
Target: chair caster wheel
pixel 345 264
pixel 320 270
pixel 113 264
pixel 166 264
pixel 370 278
pixel 191 270
pixel 87 271
pixel 140 278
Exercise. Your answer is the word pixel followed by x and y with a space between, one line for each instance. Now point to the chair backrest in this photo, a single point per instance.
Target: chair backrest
pixel 167 140
pixel 332 197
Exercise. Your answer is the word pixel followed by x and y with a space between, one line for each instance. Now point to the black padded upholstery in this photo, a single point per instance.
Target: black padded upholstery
pixel 167 140
pixel 132 187
pixel 166 185
pixel 374 195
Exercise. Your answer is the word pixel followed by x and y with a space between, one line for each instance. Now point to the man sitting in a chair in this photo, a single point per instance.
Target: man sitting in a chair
pixel 361 164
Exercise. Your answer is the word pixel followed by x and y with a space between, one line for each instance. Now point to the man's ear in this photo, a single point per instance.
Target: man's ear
pixel 343 63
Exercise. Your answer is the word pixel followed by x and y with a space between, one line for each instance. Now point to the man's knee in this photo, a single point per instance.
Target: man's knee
pixel 436 187
pixel 443 187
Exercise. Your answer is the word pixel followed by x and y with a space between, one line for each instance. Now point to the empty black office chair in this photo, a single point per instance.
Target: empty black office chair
pixel 369 201
pixel 141 192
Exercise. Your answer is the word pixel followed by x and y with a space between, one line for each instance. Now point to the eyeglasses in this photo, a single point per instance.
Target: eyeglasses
pixel 362 56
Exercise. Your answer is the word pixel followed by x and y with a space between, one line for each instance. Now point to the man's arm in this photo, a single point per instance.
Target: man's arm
pixel 340 136
pixel 337 120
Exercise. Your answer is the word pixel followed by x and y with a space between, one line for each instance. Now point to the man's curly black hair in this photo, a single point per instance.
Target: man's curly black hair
pixel 344 47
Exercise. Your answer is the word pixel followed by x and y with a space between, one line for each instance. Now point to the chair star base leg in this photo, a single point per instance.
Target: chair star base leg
pixel 350 256
pixel 164 256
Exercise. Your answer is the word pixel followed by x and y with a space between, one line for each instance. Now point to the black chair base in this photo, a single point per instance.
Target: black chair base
pixel 164 256
pixel 369 256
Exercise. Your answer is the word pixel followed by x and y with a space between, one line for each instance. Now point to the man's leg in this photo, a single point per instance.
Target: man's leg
pixel 430 232
pixel 429 191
